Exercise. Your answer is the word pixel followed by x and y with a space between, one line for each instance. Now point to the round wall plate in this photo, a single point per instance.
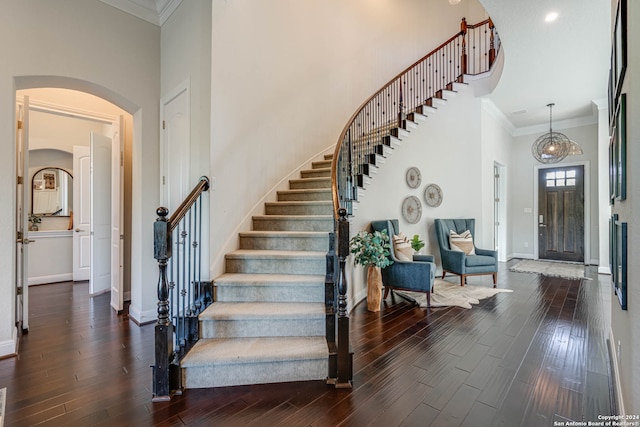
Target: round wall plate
pixel 433 195
pixel 412 209
pixel 414 178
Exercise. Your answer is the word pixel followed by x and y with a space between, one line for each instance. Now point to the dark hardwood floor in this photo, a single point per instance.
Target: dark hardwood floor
pixel 526 358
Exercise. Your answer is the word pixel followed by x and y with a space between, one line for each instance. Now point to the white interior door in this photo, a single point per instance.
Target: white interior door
pixel 176 148
pixel 117 191
pixel 100 276
pixel 22 208
pixel 81 212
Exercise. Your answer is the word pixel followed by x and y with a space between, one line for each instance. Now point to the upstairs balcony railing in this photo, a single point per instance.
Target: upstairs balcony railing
pixel 471 51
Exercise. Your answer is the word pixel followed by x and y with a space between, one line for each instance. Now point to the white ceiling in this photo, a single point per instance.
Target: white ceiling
pixel 564 62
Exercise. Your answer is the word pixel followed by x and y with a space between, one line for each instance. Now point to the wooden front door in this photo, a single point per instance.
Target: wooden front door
pixel 561 213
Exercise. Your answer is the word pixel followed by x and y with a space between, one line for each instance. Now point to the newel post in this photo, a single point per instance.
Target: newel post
pixel 330 311
pixel 345 369
pixel 463 56
pixel 164 328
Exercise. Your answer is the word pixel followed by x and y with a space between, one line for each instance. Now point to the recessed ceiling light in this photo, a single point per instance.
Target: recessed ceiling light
pixel 551 16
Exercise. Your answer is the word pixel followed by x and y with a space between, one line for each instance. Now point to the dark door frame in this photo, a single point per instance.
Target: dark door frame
pixel 587 206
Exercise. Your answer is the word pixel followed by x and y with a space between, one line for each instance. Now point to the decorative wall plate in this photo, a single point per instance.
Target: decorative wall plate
pixel 412 209
pixel 433 195
pixel 414 178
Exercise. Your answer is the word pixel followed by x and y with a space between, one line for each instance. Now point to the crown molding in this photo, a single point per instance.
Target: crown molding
pixel 561 124
pixel 153 11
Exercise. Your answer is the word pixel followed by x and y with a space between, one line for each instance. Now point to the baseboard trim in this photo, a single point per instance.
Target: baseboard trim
pixel 8 348
pixel 142 317
pixel 616 373
pixel 52 278
pixel 519 255
pixel 604 270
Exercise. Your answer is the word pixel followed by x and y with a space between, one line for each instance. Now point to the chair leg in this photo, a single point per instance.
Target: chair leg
pixel 495 278
pixel 386 292
pixel 463 279
pixel 443 273
pixel 428 299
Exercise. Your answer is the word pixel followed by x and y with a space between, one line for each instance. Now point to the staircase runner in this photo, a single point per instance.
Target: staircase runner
pixel 267 323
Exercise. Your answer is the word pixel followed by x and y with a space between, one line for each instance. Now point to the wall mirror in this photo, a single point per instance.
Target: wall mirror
pixel 52 192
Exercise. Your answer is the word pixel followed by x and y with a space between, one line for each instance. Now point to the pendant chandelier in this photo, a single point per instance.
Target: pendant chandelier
pixel 553 147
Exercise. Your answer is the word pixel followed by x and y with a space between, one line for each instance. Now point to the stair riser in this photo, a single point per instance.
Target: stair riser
pixel 323 164
pixel 275 266
pixel 255 373
pixel 312 173
pixel 304 196
pixel 253 328
pixel 299 184
pixel 248 293
pixel 292 224
pixel 283 243
pixel 306 208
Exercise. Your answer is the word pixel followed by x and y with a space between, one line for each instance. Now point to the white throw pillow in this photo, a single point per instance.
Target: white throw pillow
pixel 402 247
pixel 462 242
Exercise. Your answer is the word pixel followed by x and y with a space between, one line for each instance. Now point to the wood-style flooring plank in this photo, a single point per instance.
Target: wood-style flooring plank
pixel 536 355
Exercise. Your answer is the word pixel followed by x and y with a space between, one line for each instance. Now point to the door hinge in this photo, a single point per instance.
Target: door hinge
pixel 163 182
pixel 163 125
pixel 19 124
pixel 19 236
pixel 19 179
pixel 121 159
pixel 19 290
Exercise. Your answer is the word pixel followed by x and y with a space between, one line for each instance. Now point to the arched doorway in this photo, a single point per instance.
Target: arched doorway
pixel 67 100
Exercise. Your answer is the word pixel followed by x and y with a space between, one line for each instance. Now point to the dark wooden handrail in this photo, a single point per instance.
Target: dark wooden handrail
pixel 464 29
pixel 187 203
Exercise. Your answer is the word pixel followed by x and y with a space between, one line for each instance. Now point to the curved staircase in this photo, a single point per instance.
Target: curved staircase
pixel 267 323
pixel 280 311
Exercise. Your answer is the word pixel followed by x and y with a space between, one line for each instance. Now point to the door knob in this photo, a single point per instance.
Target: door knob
pixel 25 241
pixel 77 230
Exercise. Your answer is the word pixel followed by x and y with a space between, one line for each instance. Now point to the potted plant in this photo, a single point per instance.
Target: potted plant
pixel 34 220
pixel 416 243
pixel 371 250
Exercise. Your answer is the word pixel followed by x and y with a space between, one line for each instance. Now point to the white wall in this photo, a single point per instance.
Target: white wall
pixel 447 149
pixel 287 75
pixel 186 57
pixel 89 46
pixel 521 188
pixel 496 141
pixel 50 256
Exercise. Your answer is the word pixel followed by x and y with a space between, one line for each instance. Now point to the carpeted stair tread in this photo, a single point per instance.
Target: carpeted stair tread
pixel 305 194
pixel 239 279
pixel 269 254
pixel 294 217
pixel 284 233
pixel 261 287
pixel 252 350
pixel 262 311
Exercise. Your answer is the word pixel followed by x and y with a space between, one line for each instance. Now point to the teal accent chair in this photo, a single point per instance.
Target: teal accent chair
pixel 483 262
pixel 416 276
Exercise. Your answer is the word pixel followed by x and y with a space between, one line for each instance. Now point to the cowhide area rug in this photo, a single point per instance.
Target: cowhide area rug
pixel 564 270
pixel 447 294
